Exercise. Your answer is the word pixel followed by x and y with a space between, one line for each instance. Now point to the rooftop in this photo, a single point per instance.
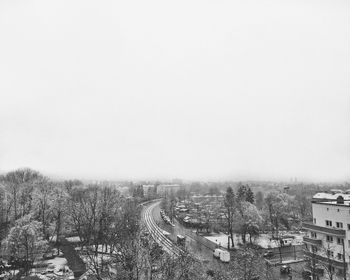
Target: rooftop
pixel 332 196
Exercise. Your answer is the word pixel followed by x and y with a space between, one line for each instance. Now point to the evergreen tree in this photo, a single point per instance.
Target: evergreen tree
pixel 244 193
pixel 241 192
pixel 259 200
pixel 250 196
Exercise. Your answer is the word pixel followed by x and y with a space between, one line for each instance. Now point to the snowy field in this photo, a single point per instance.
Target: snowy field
pixel 264 240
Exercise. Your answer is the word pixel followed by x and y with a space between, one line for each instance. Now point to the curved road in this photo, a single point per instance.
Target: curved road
pixel 156 232
pixel 203 253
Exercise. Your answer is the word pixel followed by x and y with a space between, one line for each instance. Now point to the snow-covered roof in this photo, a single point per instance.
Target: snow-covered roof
pixel 331 196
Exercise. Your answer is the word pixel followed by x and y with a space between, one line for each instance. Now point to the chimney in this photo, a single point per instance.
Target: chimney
pixel 340 199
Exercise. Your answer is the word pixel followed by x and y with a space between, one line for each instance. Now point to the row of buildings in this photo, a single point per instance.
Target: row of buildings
pixel 201 211
pixel 162 188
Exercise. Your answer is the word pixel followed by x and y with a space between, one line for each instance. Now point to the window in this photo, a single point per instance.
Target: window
pixel 315 219
pixel 330 253
pixel 339 225
pixel 340 240
pixel 314 235
pixel 313 249
pixel 327 209
pixel 329 238
pixel 340 256
pixel 328 223
pixel 348 226
pixel 337 210
pixel 349 243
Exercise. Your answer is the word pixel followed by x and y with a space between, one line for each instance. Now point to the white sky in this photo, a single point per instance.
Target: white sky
pixel 196 89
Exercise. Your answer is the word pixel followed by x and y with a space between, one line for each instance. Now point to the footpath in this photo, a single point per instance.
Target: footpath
pixel 75 263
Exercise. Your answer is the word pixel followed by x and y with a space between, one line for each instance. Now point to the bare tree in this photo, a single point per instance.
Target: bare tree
pixel 96 214
pixel 315 265
pixel 25 241
pixel 248 264
pixel 277 208
pixel 43 199
pixel 21 181
pixel 181 267
pixel 230 206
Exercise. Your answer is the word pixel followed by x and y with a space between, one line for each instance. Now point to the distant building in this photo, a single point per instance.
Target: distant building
pixel 167 188
pixel 207 198
pixel 124 190
pixel 146 188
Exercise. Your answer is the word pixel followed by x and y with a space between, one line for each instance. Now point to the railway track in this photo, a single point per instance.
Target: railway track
pixel 157 233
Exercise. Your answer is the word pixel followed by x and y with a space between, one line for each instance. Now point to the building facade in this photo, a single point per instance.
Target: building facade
pixel 327 243
pixel 167 188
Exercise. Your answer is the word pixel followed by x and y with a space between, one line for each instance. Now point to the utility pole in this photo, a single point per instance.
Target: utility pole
pixel 344 263
pixel 279 247
pixel 313 262
pixel 313 266
pixel 267 269
pixel 295 255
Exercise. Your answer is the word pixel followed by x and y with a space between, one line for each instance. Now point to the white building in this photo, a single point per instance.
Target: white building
pixel 328 235
pixel 167 188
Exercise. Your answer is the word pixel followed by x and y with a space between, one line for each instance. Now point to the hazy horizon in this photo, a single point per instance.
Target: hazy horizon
pixel 198 90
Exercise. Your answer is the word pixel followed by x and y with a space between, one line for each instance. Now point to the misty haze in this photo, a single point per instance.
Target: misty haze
pixel 175 140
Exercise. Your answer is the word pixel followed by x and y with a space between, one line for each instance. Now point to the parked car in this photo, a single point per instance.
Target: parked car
pixel 285 269
pixel 268 254
pixel 181 240
pixel 154 268
pixel 50 269
pixel 48 256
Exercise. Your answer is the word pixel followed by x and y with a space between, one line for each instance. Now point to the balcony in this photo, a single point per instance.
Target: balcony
pixel 325 260
pixel 328 230
pixel 312 241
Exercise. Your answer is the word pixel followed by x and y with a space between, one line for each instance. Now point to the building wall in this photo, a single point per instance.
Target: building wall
pixel 334 213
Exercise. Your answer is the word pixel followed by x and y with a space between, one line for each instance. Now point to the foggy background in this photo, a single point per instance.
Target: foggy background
pixel 210 90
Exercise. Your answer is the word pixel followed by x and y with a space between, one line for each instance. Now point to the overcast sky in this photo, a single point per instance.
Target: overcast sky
pixel 193 89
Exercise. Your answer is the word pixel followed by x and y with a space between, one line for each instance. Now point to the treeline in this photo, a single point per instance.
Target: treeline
pixel 250 214
pixel 38 214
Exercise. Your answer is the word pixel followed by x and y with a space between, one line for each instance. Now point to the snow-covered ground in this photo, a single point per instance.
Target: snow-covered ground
pixel 101 249
pixel 73 239
pixel 220 239
pixel 57 262
pixel 264 240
